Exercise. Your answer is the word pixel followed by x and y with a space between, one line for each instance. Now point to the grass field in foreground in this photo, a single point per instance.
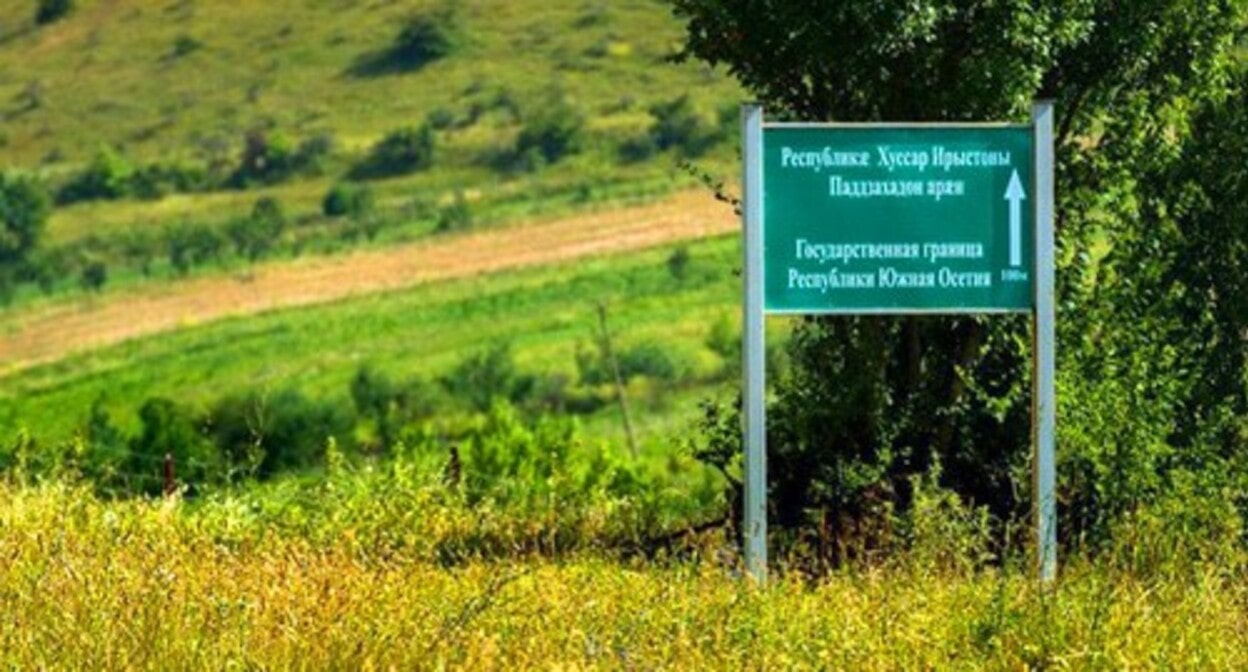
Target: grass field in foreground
pixel 543 312
pixel 134 585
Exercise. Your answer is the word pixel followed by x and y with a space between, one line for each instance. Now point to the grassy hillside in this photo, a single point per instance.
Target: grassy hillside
pixel 111 73
pixel 185 84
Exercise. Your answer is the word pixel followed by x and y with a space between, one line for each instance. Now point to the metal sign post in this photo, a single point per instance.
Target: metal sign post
pixel 1044 393
pixel 753 401
pixel 897 219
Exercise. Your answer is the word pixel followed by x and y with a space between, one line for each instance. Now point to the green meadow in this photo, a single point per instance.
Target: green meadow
pixel 545 314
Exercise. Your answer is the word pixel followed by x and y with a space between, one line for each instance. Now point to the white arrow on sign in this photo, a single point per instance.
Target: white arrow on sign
pixel 1015 195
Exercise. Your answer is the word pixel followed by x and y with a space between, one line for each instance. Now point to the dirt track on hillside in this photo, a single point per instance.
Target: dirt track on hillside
pixel 46 334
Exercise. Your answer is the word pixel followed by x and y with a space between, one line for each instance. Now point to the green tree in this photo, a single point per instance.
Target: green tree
pixel 171 429
pixel 48 11
pixel 402 151
pixel 110 175
pixel 423 39
pixel 871 400
pixel 555 130
pixel 24 210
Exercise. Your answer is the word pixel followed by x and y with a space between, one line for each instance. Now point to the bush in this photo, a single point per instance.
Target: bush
pixel 650 360
pixel 486 377
pixel 638 149
pixel 265 435
pixel 110 175
pixel 49 11
pixel 678 126
pixel 724 339
pixel 391 405
pixel 256 235
pixel 94 275
pixel 441 119
pixel 457 216
pixel 313 153
pixel 348 200
pixel 555 131
pixel 169 428
pixel 24 210
pixel 157 180
pixel 272 157
pixel 678 263
pixel 185 45
pixel 189 245
pixel 402 151
pixel 424 38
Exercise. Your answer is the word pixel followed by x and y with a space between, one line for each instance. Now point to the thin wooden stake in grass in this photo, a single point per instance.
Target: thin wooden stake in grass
pixel 171 482
pixel 608 353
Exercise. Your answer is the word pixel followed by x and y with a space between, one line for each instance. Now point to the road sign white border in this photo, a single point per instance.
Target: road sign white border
pixel 754 373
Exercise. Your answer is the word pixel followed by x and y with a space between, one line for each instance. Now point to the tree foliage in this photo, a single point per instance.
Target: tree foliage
pixel 24 210
pixel 49 11
pixel 873 400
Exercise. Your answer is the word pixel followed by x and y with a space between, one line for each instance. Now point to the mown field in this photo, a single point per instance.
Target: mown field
pixel 545 314
pixel 156 585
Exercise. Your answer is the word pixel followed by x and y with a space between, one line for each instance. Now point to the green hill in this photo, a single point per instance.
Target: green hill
pixel 188 78
pixel 536 108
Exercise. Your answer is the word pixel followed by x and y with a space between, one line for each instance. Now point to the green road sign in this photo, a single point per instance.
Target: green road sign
pixel 897 219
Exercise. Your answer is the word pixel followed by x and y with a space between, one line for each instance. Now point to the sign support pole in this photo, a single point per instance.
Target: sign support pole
pixel 753 335
pixel 1044 366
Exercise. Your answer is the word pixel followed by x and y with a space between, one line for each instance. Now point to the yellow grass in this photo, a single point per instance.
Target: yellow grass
pixel 86 584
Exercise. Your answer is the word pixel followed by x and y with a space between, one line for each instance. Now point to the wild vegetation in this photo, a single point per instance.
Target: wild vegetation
pixel 542 467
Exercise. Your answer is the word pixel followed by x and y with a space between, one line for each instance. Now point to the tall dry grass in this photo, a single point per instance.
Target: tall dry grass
pixel 150 585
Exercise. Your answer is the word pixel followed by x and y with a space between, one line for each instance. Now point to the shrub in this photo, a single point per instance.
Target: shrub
pixel 441 119
pixel 110 175
pixel 266 435
pixel 138 247
pixel 189 245
pixel 106 447
pixel 678 126
pixel 185 45
pixel 156 180
pixel 648 359
pixel 48 11
pixel 271 157
pixel 348 200
pixel 46 268
pixel 678 263
pixel 313 153
pixel 456 216
pixel 638 149
pixel 391 405
pixel 94 275
pixel 256 235
pixel 555 131
pixel 402 151
pixel 724 339
pixel 24 210
pixel 651 360
pixel 488 376
pixel 423 39
pixel 169 428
